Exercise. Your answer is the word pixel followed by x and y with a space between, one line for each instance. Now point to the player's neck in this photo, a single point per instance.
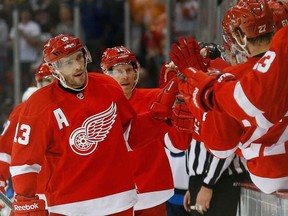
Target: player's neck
pixel 258 49
pixel 128 94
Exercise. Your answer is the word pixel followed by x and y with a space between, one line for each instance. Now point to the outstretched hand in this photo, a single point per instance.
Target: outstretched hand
pixel 187 54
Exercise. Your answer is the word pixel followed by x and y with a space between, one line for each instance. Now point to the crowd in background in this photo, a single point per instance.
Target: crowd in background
pixel 102 26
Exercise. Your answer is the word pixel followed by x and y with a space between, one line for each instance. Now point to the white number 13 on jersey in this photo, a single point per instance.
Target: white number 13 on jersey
pixel 22 134
pixel 264 63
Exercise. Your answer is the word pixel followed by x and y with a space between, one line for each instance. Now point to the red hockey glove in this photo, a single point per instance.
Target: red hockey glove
pixel 183 119
pixel 178 58
pixel 196 60
pixel 190 50
pixel 2 189
pixel 187 54
pixel 29 206
pixel 195 86
pixel 162 108
pixel 167 72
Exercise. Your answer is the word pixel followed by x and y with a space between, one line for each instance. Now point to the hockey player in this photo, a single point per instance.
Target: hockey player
pixel 43 77
pixel 152 173
pixel 84 136
pixel 259 145
pixel 280 13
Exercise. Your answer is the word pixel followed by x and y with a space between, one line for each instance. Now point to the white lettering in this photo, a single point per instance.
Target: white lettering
pixel 265 62
pixel 24 134
pixel 60 118
pixel 69 45
pixel 194 96
pixel 197 126
pixel 26 207
pixel 262 28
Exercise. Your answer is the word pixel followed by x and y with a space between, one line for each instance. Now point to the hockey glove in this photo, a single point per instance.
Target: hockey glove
pixel 197 59
pixel 191 51
pixel 196 88
pixel 167 72
pixel 29 206
pixel 183 119
pixel 178 58
pixel 2 189
pixel 161 109
pixel 187 54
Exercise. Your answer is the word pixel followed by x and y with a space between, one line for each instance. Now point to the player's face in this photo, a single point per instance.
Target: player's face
pixel 125 75
pixel 73 69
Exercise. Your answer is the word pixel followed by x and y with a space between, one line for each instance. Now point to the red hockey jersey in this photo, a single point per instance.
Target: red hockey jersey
pixel 81 135
pixel 152 172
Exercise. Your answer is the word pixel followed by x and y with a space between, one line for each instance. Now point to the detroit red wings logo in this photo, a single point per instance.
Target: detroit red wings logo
pixel 84 140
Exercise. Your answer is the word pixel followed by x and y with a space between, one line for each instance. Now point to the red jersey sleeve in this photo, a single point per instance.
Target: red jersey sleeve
pixel 6 142
pixel 177 141
pixel 221 134
pixel 31 164
pixel 219 64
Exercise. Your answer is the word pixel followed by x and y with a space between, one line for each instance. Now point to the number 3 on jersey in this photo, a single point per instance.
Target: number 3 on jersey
pixel 22 134
pixel 264 63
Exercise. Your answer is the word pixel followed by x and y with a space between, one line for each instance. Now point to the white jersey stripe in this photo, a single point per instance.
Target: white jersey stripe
pixel 99 206
pixel 223 153
pixel 126 137
pixel 5 157
pixel 19 170
pixel 245 104
pixel 269 185
pixel 169 145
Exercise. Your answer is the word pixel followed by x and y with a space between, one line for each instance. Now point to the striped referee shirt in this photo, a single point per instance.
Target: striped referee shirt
pixel 199 162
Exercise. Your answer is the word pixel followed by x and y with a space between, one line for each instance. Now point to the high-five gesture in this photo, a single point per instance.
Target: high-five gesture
pixel 187 54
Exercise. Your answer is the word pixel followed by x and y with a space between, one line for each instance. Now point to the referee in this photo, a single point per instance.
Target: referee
pixel 212 189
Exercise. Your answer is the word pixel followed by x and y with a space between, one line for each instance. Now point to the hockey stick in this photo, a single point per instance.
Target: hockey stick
pixel 6 200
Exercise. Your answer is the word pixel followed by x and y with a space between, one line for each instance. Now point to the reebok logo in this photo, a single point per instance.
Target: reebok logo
pixel 197 126
pixel 69 46
pixel 26 207
pixel 195 92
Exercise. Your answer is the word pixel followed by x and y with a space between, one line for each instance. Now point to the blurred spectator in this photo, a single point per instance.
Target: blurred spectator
pixel 185 14
pixel 145 15
pixel 66 24
pixel 94 17
pixel 114 25
pixel 47 14
pixel 138 33
pixel 3 53
pixel 29 32
pixel 6 7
